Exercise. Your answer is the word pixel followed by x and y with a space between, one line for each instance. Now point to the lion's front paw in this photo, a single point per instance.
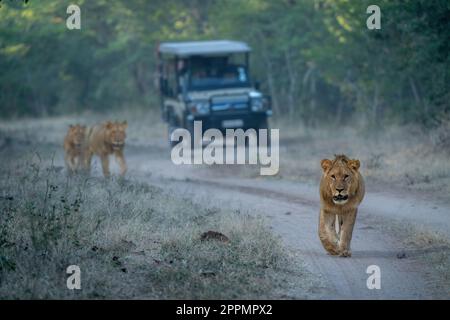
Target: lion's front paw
pixel 333 252
pixel 345 253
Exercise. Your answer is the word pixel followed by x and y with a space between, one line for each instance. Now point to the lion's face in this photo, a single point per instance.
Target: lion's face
pixel 77 134
pixel 115 134
pixel 340 177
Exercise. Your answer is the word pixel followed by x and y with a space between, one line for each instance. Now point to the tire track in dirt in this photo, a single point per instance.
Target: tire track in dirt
pixel 345 277
pixel 295 219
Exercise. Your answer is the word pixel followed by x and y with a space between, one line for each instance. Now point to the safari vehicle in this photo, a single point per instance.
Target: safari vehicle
pixel 209 81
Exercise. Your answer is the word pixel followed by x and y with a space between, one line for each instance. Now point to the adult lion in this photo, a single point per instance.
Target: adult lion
pixel 74 146
pixel 106 139
pixel 341 192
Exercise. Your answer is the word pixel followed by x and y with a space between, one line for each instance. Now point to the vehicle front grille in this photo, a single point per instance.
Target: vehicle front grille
pixel 227 104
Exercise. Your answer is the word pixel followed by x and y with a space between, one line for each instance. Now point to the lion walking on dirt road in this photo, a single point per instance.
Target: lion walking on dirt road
pixel 341 192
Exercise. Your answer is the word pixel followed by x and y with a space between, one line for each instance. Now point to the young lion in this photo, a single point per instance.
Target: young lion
pixel 106 139
pixel 74 144
pixel 341 192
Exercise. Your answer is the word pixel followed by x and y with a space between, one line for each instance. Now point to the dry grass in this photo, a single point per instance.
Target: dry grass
pixel 434 249
pixel 428 247
pixel 134 240
pixel 146 127
pixel 131 240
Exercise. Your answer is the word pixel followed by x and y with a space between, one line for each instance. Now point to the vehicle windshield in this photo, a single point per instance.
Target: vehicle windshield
pixel 216 73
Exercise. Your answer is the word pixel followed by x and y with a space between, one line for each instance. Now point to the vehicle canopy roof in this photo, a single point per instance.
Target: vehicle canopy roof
pixel 212 47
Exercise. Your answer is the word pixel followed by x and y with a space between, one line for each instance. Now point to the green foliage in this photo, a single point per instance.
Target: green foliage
pixel 316 58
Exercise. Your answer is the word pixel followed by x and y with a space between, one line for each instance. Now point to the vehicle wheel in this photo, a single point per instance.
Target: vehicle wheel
pixel 171 127
pixel 189 125
pixel 264 124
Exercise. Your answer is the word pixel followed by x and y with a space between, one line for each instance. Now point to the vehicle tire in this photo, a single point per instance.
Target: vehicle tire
pixel 172 125
pixel 264 124
pixel 189 126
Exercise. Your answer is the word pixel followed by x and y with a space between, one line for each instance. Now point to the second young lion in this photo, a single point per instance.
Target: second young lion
pixel 104 140
pixel 74 147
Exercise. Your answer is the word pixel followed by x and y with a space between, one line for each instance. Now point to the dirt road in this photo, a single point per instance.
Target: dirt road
pixel 291 208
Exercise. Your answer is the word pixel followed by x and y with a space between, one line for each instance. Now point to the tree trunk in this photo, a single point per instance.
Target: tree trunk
pixel 139 78
pixel 269 74
pixel 292 83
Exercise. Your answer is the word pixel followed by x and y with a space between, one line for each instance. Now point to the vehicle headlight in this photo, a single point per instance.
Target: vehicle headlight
pixel 257 104
pixel 199 108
